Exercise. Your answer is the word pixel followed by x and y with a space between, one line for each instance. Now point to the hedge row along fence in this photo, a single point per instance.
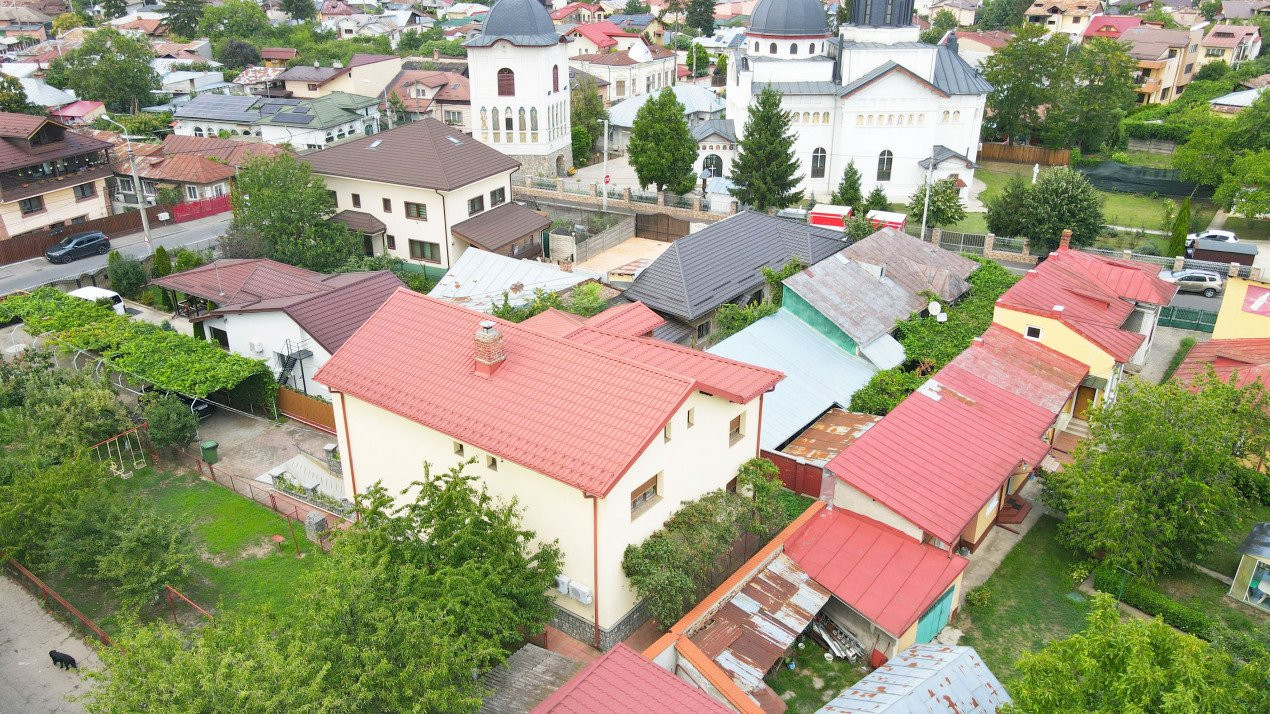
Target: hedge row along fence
pixel 169 360
pixel 1184 618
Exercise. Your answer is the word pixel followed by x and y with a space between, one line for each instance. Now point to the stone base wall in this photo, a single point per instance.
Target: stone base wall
pixel 582 629
pixel 544 164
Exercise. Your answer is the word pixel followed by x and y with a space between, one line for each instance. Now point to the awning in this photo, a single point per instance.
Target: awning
pixel 360 222
pixel 884 352
pixel 499 227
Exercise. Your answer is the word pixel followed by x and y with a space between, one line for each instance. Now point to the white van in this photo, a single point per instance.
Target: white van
pixel 93 294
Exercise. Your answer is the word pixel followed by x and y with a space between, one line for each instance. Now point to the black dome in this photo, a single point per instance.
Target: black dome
pixel 521 22
pixel 799 18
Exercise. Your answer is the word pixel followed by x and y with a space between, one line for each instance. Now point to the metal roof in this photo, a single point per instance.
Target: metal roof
pixel 941 153
pixel 916 265
pixel 858 298
pixel 222 107
pixel 925 678
pixel 799 88
pixel 624 682
pixel 884 352
pixel 1257 543
pixel 530 675
pixel 834 431
pixel 479 279
pixel 524 23
pixel 500 226
pixel 725 128
pixel 789 18
pixel 955 76
pixel 693 98
pixel 818 373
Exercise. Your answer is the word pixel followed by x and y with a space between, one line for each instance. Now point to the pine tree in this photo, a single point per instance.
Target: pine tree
pixel 701 16
pixel 849 193
pixel 1181 226
pixel 661 149
pixel 765 172
pixel 876 201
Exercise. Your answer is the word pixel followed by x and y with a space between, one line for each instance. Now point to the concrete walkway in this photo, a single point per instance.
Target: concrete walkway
pixel 29 683
pixel 1163 346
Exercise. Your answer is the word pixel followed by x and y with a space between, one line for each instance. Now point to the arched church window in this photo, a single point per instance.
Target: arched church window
pixel 818 159
pixel 811 49
pixel 508 122
pixel 793 48
pixel 870 122
pixel 825 117
pixel 484 120
pixel 944 117
pixel 756 46
pixel 885 159
pixel 806 118
pixel 533 123
pixel 498 136
pixel 900 120
pixel 555 78
pixel 523 138
pixel 713 164
pixel 890 119
pixel 506 83
pixel 859 120
pixel 772 49
pixel 910 118
pixel 956 116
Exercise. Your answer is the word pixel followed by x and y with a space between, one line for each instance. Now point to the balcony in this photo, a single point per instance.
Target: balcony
pixel 50 176
pixel 1147 85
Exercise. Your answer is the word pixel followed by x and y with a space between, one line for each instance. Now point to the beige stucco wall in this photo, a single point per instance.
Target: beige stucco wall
pixel 368 81
pixel 849 497
pixel 391 449
pixel 1059 337
pixel 983 519
pixel 1233 322
pixel 59 206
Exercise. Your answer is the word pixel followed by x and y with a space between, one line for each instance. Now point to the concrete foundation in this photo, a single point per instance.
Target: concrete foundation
pixel 556 163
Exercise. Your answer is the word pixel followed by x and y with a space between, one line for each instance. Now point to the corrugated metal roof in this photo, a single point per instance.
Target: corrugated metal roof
pixel 1025 367
pixel 818 373
pixel 829 435
pixel 800 88
pixel 925 678
pixel 940 154
pixel 526 678
pixel 1248 358
pixel 693 98
pixel 854 297
pixel 884 352
pixel 725 128
pixel 479 279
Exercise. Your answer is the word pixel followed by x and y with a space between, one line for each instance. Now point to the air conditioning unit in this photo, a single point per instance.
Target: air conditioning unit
pixel 580 592
pixel 256 346
pixel 562 584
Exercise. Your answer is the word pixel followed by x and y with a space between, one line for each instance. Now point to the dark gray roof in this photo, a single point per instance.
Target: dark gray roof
pixel 721 262
pixel 576 75
pixel 940 154
pixel 955 76
pixel 529 676
pixel 723 127
pixel 524 23
pixel 1222 246
pixel 1258 541
pixel 807 58
pixel 789 17
pixel 798 87
pixel 220 107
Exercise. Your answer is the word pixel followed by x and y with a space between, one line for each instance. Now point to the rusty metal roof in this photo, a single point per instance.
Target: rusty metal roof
pixel 834 431
pixel 757 625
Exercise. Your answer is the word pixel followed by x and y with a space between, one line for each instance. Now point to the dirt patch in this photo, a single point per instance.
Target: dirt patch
pixel 262 549
pixel 216 559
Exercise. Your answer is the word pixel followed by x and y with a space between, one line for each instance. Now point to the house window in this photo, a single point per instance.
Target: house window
pixel 818 159
pixel 1033 332
pixel 124 183
pixel 506 83
pixel 78 220
pixel 313 87
pixel 491 462
pixel 335 198
pixel 475 205
pixel 736 429
pixel 497 197
pixel 453 117
pixel 703 330
pixel 85 190
pixel 425 250
pixel 391 242
pixel 621 88
pixel 191 192
pixel 458 448
pixel 645 496
pixel 417 211
pixel 884 165
pixel 665 433
pixel 692 417
pixel 34 204
pixel 387 205
pixel 357 200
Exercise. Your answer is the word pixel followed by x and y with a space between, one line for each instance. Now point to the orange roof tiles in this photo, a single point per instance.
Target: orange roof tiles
pixel 601 33
pixel 181 168
pixel 633 319
pixel 623 682
pixel 1247 360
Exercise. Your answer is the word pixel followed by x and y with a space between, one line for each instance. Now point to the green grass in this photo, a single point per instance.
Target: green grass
pixel 1140 158
pixel 794 503
pixel 1208 595
pixel 810 667
pixel 1223 558
pixel 1183 349
pixel 1248 228
pixel 1029 604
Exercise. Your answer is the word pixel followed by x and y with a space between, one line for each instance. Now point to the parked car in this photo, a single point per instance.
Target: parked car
pixel 1212 234
pixel 201 407
pixel 110 298
pixel 1205 282
pixel 78 245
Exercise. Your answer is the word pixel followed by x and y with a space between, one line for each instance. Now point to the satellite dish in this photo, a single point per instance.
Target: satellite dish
pixel 934 308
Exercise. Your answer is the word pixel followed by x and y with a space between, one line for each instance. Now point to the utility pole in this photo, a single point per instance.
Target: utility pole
pixel 926 203
pixel 605 157
pixel 136 180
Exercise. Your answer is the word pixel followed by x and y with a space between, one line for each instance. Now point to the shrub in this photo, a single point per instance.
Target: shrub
pixel 1080 571
pixel 161 265
pixel 186 259
pixel 127 275
pixel 172 424
pixel 979 597
pixel 1174 613
pixel 1183 349
pixel 733 318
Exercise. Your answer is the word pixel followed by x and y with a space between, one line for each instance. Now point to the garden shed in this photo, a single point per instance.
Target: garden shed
pixel 1252 579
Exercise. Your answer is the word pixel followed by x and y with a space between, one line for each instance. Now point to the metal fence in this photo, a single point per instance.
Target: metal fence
pixel 962 242
pixel 1188 318
pixel 31 582
pixel 1166 263
pixel 1010 245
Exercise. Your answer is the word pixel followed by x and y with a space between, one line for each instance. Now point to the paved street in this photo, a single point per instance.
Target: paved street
pixel 29 683
pixel 33 273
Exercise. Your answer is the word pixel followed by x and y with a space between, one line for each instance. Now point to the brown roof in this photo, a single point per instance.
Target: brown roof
pixel 1257 82
pixel 996 39
pixel 501 226
pixel 17 127
pixel 1229 35
pixel 150 27
pixel 1149 37
pixel 425 154
pixel 182 168
pixel 834 431
pixel 1063 7
pixel 454 87
pixel 360 221
pixel 279 53
pixel 232 152
pixel 623 58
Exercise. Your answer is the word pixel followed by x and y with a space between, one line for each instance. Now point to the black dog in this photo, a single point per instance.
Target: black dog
pixel 63 660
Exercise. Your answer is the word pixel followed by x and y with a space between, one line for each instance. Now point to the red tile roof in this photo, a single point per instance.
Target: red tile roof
pixel 602 33
pixel 1092 295
pixel 556 323
pixel 996 39
pixel 632 320
pixel 454 87
pixel 881 573
pixel 1247 359
pixel 1230 35
pixel 938 457
pixel 1110 25
pixel 623 682
pixel 1025 367
pixel 77 109
pixel 579 410
pixel 571 8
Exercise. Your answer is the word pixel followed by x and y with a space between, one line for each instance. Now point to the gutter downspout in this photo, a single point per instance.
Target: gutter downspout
pixel 595 560
pixel 445 227
pixel 351 474
pixel 758 436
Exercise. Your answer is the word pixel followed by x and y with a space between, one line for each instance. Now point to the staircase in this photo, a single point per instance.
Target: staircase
pixel 295 353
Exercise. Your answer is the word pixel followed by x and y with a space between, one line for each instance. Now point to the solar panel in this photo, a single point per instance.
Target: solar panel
pixel 270 109
pixel 300 110
pixel 292 118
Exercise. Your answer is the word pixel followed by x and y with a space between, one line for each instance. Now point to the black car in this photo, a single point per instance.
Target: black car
pixel 78 245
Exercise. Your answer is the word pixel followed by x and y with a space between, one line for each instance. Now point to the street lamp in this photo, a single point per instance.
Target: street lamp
pixel 387 110
pixel 136 180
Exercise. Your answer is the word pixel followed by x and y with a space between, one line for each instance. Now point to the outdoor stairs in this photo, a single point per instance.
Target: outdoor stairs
pixel 288 365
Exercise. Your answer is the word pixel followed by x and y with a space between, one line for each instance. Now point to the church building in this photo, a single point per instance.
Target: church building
pixel 519 76
pixel 873 94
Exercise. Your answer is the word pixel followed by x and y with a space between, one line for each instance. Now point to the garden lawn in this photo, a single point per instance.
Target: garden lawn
pixel 1208 595
pixel 1029 604
pixel 798 687
pixel 1248 228
pixel 1223 559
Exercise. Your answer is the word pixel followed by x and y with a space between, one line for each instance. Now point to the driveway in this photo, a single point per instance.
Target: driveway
pixel 1163 346
pixel 29 683
pixel 619 168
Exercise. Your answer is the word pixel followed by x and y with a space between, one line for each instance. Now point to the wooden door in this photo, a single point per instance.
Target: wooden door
pixel 1084 400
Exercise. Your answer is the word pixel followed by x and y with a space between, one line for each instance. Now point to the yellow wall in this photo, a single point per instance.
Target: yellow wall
pixel 983 520
pixel 378 76
pixel 910 635
pixel 392 449
pixel 1232 322
pixel 1060 338
pixel 60 205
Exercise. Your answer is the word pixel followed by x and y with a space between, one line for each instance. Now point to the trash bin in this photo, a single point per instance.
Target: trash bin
pixel 209 451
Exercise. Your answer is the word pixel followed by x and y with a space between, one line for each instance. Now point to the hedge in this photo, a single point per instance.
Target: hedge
pixel 1174 613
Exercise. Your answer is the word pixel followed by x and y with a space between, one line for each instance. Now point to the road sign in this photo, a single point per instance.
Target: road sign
pixel 607 178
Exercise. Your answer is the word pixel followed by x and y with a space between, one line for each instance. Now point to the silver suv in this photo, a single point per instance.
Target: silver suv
pixel 1205 282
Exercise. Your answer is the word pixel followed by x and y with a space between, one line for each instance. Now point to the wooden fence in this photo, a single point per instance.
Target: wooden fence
pixel 1024 154
pixel 303 408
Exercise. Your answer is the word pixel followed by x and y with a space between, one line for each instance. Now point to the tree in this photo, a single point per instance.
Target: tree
pixel 848 192
pixel 721 66
pixel 698 60
pixel 634 7
pixel 67 21
pixel 1209 9
pixel 661 149
pixel 279 197
pixel 1181 227
pixel 183 16
pixel 171 423
pixel 945 207
pixel 111 9
pixel 169 195
pixel 236 19
pixel 139 124
pixel 1022 74
pixel 161 265
pixel 1001 14
pixel 13 97
pixel 108 67
pixel 1246 189
pixel 586 114
pixel 127 275
pixel 1163 468
pixel 1206 157
pixel 1062 198
pixel 764 173
pixel 299 10
pixel 242 242
pixel 1250 130
pixel 700 16
pixel 1125 664
pixel 1212 70
pixel 1157 14
pixel 876 201
pixel 939 26
pixel 237 54
pixel 1098 93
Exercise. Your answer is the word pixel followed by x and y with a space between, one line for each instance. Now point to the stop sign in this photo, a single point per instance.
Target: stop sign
pixel 607 178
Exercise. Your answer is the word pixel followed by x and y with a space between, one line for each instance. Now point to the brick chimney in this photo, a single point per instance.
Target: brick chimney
pixel 489 348
pixel 1065 241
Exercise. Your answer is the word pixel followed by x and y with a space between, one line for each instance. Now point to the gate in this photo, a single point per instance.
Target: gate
pixel 193 210
pixel 660 226
pixel 935 618
pixel 303 408
pixel 1188 318
pixel 961 242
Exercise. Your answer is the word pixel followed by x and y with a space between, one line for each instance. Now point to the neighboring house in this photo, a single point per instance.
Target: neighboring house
pixel 1069 17
pixel 578 13
pixel 23 22
pixel 963 10
pixel 367 75
pixel 302 123
pixel 1256 82
pixel 190 82
pixel 645 24
pixel 144 26
pixel 262 81
pixel 955 676
pixel 1109 26
pixel 333 9
pixel 523 404
pixel 1245 309
pixel 597 37
pixel 701 106
pixel 722 263
pixel 78 113
pixel 445 96
pixel 1236 102
pixel 199 168
pixel 624 682
pixel 635 71
pixel 1243 9
pixel 1232 44
pixel 43 94
pixel 461 10
pixel 49 176
pixel 1005 395
pixel 278 56
pixel 293 319
pixel 435 190
pixel 975 47
pixel 716 147
pixel 197 50
pixel 1252 578
pixel 1167 60
pixel 1097 310
pixel 390 25
pixel 481 280
pixel 1239 361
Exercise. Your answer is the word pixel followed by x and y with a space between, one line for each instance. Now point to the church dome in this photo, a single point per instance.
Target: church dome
pixel 797 18
pixel 521 22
